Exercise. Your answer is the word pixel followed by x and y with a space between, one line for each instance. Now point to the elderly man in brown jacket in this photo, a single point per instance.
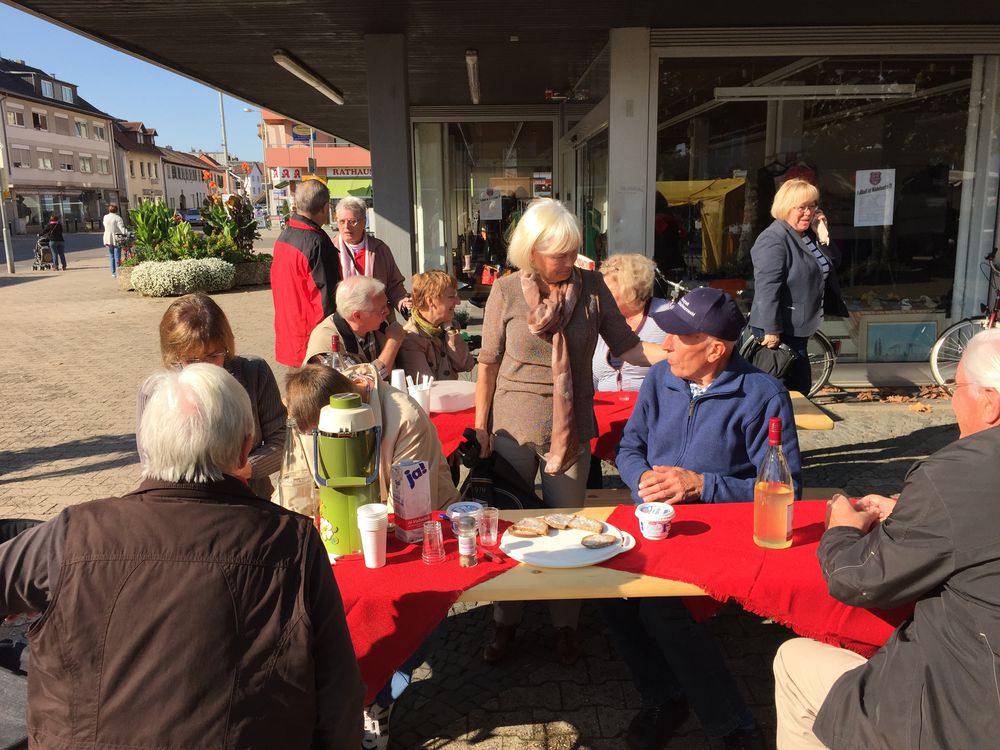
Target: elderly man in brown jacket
pixel 190 612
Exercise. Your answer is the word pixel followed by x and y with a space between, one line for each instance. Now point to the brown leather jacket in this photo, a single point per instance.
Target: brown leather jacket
pixel 183 616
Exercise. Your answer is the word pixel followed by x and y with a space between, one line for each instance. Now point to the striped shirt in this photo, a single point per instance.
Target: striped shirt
pixel 824 264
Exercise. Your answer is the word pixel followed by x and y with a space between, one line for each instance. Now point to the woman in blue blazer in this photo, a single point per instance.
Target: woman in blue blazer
pixel 795 276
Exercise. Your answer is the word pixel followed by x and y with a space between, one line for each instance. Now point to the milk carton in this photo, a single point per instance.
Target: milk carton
pixel 411 498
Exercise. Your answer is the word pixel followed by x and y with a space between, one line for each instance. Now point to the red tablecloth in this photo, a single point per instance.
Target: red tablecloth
pixel 612 410
pixel 391 610
pixel 712 547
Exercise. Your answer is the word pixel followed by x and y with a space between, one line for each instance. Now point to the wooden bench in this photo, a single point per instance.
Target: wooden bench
pixel 622 496
pixel 808 416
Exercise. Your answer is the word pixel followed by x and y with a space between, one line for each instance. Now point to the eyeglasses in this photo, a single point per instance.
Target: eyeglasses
pixel 348 222
pixel 214 358
pixel 811 208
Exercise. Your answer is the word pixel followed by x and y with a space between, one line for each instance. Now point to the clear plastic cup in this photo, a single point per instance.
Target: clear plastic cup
pixel 489 522
pixel 433 551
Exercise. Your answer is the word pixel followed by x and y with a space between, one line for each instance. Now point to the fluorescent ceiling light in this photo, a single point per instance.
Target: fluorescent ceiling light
pixel 472 68
pixel 770 93
pixel 303 73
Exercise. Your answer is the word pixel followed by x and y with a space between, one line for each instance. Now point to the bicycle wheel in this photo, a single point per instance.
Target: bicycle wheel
pixel 822 358
pixel 948 349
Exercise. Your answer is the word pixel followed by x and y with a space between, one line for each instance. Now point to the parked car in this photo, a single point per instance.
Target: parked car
pixel 192 216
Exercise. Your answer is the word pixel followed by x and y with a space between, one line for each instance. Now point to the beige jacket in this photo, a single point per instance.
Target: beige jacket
pixel 407 432
pixel 423 354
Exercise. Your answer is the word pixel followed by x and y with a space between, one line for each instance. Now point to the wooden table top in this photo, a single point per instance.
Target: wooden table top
pixel 526 583
pixel 808 416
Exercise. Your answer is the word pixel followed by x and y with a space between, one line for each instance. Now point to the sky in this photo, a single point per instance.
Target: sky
pixel 184 113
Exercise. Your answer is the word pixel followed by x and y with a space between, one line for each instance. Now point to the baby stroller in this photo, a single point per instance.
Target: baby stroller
pixel 43 255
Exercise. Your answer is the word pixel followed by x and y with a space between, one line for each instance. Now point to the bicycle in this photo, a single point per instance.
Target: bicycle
pixel 821 350
pixel 950 345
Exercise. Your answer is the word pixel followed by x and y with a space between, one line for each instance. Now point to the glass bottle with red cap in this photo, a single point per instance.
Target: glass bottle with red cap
pixel 773 495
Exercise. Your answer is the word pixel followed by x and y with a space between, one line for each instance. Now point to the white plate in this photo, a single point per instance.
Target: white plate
pixel 562 548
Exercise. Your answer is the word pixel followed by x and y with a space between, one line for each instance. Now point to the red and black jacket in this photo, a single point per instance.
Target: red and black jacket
pixel 304 276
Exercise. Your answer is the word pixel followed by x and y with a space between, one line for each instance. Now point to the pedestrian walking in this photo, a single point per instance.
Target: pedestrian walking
pixel 113 226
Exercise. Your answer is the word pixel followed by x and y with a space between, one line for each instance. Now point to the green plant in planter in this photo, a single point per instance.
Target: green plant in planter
pixel 462 317
pixel 183 277
pixel 233 218
pixel 151 224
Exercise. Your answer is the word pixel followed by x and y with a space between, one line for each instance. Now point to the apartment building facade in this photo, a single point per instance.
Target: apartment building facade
pixel 184 183
pixel 139 163
pixel 59 150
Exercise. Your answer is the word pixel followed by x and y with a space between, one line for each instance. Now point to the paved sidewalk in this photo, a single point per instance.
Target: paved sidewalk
pixel 75 350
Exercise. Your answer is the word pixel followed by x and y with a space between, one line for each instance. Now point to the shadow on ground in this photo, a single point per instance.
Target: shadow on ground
pixel 121 446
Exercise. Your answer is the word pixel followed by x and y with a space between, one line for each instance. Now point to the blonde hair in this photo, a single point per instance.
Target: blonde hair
pixel 634 274
pixel 547 227
pixel 309 389
pixel 430 285
pixel 193 324
pixel 790 194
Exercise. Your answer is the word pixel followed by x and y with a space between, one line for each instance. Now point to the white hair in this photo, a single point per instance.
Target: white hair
pixel 355 205
pixel 355 293
pixel 547 227
pixel 194 424
pixel 982 359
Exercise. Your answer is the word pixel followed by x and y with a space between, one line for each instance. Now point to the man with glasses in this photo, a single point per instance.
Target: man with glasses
pixel 304 273
pixel 361 325
pixel 934 683
pixel 363 255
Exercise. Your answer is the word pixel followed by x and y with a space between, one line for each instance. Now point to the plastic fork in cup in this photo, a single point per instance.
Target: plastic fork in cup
pixel 433 551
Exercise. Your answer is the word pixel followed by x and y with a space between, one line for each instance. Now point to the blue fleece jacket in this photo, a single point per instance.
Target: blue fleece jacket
pixel 721 434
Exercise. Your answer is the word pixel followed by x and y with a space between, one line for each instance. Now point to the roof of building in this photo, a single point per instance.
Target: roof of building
pixel 185 159
pixel 126 137
pixel 14 84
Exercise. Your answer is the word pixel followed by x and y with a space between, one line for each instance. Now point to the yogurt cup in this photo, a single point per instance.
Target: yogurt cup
pixel 655 519
pixel 464 508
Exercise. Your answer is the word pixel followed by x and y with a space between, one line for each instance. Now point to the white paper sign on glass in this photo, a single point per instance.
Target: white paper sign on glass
pixel 874 196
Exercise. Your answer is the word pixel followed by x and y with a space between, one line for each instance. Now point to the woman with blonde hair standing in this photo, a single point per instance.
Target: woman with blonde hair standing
pixel 795 276
pixel 534 390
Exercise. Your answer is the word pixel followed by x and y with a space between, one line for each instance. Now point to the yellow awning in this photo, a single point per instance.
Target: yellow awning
pixel 721 202
pixel 342 187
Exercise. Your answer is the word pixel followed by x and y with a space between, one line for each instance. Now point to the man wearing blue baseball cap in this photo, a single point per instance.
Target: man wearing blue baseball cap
pixel 698 434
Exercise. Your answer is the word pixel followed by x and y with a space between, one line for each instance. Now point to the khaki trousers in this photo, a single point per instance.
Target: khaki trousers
pixel 558 491
pixel 804 672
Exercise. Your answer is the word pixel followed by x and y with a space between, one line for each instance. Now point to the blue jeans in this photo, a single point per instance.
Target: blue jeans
pixel 669 655
pixel 114 255
pixel 58 248
pixel 403 676
pixel 799 377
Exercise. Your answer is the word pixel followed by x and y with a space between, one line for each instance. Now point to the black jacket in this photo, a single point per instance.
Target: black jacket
pixel 934 683
pixel 54 231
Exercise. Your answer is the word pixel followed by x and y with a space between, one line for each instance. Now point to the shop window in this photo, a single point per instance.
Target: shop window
pixel 44 162
pixel 60 125
pixel 67 94
pixel 39 121
pixel 86 165
pixel 47 89
pixel 15 117
pixel 81 130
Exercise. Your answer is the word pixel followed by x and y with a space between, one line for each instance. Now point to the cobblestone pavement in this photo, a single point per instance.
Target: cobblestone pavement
pixel 75 350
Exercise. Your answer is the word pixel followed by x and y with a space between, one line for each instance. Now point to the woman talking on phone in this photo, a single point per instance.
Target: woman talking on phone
pixel 795 276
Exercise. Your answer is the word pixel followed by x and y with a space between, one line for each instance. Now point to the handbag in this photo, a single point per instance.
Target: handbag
pixel 776 362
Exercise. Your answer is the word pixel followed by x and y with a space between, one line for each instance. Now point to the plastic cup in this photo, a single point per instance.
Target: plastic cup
pixel 373 523
pixel 655 519
pixel 433 551
pixel 489 522
pixel 422 395
pixel 398 380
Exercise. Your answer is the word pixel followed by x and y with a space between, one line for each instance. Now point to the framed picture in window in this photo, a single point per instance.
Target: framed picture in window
pixel 899 337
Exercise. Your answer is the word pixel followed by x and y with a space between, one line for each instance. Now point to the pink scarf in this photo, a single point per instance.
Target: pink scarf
pixel 547 319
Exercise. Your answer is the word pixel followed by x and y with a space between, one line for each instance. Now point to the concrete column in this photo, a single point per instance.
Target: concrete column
pixel 629 169
pixel 389 143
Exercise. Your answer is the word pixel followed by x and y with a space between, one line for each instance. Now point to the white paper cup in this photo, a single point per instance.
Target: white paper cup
pixel 398 380
pixel 373 523
pixel 655 519
pixel 422 395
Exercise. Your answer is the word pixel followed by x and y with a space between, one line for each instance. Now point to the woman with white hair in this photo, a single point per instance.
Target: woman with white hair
pixel 361 254
pixel 630 279
pixel 535 390
pixel 795 276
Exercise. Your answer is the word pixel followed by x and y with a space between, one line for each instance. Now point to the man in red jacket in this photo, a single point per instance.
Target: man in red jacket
pixel 304 274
